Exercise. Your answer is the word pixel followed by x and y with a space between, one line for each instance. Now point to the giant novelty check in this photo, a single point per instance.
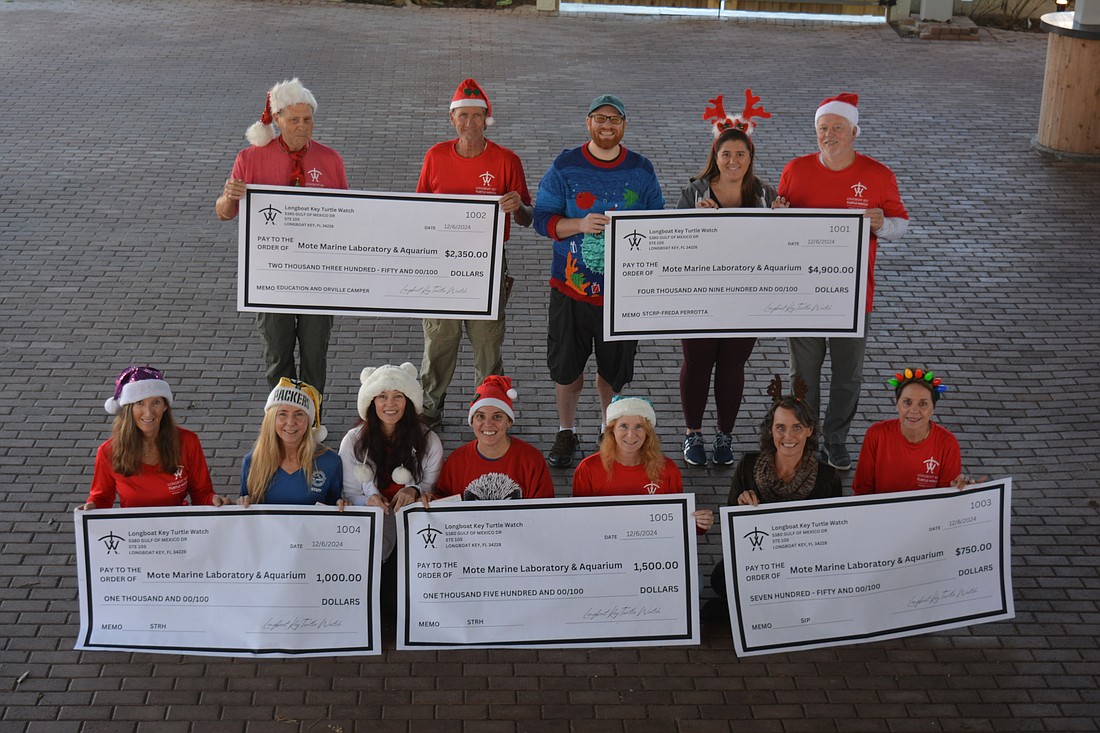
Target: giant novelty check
pixel 809 574
pixel 263 581
pixel 319 250
pixel 694 273
pixel 548 573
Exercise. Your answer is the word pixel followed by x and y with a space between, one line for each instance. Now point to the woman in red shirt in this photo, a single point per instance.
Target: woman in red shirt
pixel 148 460
pixel 910 452
pixel 630 461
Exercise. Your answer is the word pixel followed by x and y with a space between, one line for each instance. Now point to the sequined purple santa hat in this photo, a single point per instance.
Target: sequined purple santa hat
pixel 137 383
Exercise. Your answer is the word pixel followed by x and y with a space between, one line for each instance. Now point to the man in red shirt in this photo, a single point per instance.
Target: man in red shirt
pixel 290 158
pixel 469 164
pixel 837 177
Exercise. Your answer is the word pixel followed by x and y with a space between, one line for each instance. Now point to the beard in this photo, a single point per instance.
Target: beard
pixel 606 143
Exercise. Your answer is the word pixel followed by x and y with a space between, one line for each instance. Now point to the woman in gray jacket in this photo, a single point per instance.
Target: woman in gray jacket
pixel 727 181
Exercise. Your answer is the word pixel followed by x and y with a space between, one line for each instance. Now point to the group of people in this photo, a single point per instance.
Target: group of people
pixel 571 208
pixel 391 459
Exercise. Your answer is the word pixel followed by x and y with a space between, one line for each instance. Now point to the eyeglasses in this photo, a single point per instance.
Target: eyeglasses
pixel 603 119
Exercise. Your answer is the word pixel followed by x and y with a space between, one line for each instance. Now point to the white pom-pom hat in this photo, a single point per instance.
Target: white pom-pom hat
pixel 282 95
pixel 376 380
pixel 495 391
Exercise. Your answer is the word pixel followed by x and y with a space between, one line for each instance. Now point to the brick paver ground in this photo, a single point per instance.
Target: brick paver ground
pixel 121 122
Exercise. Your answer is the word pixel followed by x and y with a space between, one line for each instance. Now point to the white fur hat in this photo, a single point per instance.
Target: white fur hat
pixel 403 378
pixel 281 96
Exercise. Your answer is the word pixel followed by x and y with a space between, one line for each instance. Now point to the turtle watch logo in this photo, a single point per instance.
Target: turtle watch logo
pixel 270 214
pixel 634 239
pixel 756 539
pixel 111 542
pixel 429 534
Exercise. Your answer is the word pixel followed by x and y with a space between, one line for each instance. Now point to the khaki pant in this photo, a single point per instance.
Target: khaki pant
pixel 441 342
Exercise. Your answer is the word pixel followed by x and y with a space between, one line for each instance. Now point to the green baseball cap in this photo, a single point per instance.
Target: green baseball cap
pixel 607 100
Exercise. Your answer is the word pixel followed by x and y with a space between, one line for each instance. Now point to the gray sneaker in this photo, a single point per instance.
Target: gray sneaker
pixel 565 445
pixel 836 455
pixel 695 452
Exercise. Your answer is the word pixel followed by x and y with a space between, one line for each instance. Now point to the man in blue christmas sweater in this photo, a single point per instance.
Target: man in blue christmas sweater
pixel 571 208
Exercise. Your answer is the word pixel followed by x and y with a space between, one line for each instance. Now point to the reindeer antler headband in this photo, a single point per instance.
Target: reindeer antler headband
pixel 775 389
pixel 716 112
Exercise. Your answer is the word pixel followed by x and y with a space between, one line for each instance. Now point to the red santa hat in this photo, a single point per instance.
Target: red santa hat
pixel 282 95
pixel 843 104
pixel 495 391
pixel 470 94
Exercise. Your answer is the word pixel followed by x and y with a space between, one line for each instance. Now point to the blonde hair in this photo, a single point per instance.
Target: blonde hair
pixel 268 454
pixel 653 459
pixel 127 448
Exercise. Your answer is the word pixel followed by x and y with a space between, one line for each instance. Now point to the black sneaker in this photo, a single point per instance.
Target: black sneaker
pixel 566 444
pixel 836 455
pixel 723 449
pixel 695 451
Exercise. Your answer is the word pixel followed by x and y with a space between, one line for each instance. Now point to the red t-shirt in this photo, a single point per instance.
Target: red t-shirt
pixel 523 464
pixel 866 184
pixel 153 487
pixel 590 479
pixel 271 165
pixel 888 462
pixel 495 172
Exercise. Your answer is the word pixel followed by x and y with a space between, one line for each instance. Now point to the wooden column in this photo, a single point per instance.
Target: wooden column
pixel 1069 117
